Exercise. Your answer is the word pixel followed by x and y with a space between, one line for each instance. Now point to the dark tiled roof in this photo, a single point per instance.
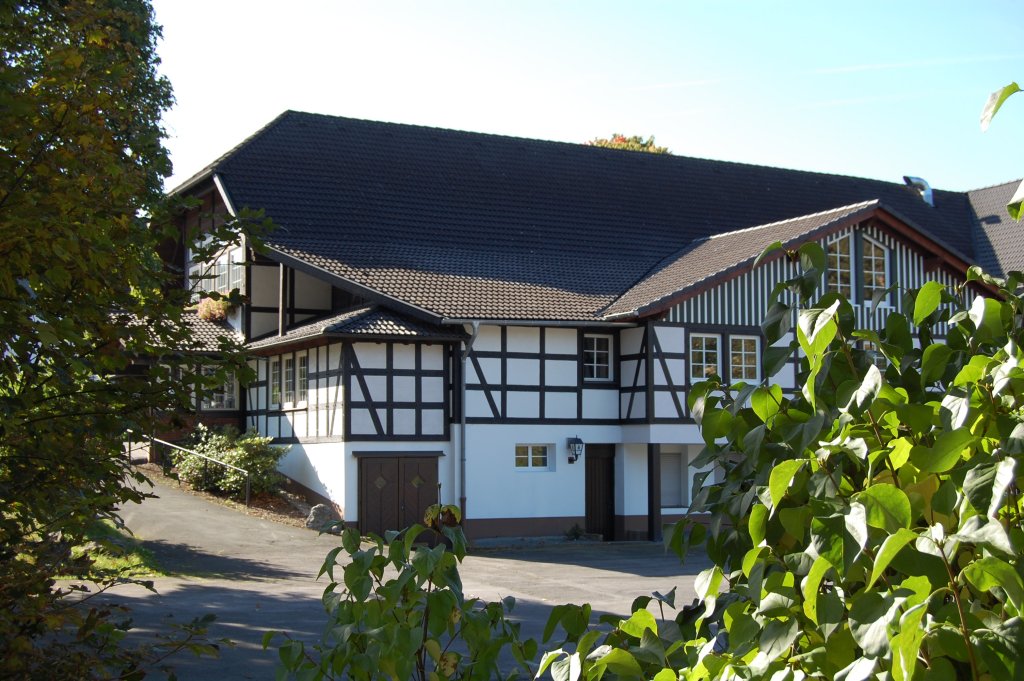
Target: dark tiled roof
pixel 999 247
pixel 703 261
pixel 366 321
pixel 469 225
pixel 206 335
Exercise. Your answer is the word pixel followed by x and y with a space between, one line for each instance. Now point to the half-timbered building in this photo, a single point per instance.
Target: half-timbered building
pixel 513 325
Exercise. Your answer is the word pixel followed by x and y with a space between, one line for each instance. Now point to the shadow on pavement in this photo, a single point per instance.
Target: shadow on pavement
pixel 183 560
pixel 243 615
pixel 647 559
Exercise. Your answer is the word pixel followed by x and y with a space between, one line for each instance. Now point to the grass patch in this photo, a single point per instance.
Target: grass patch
pixel 112 550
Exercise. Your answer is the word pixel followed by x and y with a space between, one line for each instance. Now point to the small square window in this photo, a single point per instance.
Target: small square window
pixel 532 456
pixel 705 360
pixel 743 359
pixel 597 358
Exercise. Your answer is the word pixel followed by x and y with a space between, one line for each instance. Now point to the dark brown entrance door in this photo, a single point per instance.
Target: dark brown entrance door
pixel 600 497
pixel 394 491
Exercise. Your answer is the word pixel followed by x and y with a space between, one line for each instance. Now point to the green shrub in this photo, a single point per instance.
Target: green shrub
pixel 249 451
pixel 396 610
pixel 256 455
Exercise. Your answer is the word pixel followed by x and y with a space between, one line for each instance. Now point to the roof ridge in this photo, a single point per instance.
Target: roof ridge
pixel 993 186
pixel 674 157
pixel 848 207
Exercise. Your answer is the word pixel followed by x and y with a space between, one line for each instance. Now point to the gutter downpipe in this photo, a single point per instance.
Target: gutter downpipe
pixel 462 418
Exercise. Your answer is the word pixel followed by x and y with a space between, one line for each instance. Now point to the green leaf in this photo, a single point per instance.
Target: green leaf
pixel 777 357
pixel 639 622
pixel 866 393
pixel 995 102
pixel 777 323
pixel 892 545
pixel 985 532
pixel 987 315
pixel 781 477
pixel 887 507
pixel 758 523
pixel 816 328
pixel 944 454
pixel 907 643
pixel 715 424
pixel 928 300
pixel 812 256
pixel 708 582
pixel 860 669
pixel 934 362
pixel 768 250
pixel 618 661
pixel 1016 204
pixel 990 572
pixel 986 484
pixel 778 636
pixel 547 659
pixel 871 615
pixel 766 402
pixel 812 585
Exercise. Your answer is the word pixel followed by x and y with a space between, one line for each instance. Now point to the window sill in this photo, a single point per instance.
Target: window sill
pixel 288 407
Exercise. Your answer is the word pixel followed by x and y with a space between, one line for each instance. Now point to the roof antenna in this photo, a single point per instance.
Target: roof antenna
pixel 922 187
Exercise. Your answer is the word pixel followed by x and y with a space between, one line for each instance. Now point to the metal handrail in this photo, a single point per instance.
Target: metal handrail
pixel 248 475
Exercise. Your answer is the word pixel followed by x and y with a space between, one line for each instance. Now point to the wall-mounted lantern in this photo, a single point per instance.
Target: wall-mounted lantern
pixel 575 445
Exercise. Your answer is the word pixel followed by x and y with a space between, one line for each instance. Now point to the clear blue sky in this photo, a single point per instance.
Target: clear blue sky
pixel 875 89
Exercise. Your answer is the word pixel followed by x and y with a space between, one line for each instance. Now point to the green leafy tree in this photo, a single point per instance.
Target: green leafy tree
pixel 634 143
pixel 90 319
pixel 868 526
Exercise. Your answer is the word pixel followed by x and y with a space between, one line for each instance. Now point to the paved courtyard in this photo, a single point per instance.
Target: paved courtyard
pixel 256 575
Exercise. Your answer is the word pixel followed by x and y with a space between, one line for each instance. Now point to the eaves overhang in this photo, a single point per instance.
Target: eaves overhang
pixel 949 256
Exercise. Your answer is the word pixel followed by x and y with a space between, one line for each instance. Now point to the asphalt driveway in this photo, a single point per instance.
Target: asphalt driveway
pixel 256 575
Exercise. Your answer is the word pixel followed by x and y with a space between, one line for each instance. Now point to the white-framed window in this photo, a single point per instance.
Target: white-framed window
pixel 289 381
pixel 222 398
pixel 302 380
pixel 222 276
pixel 705 356
pixel 236 274
pixel 597 358
pixel 840 266
pixel 744 364
pixel 533 457
pixel 876 268
pixel 275 382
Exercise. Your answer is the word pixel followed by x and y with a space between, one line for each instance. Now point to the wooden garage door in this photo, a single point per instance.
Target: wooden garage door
pixel 394 491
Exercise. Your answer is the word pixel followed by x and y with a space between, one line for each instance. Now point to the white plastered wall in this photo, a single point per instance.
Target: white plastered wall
pixel 495 488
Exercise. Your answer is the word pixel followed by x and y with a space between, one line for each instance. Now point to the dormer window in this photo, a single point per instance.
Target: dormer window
pixel 870 276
